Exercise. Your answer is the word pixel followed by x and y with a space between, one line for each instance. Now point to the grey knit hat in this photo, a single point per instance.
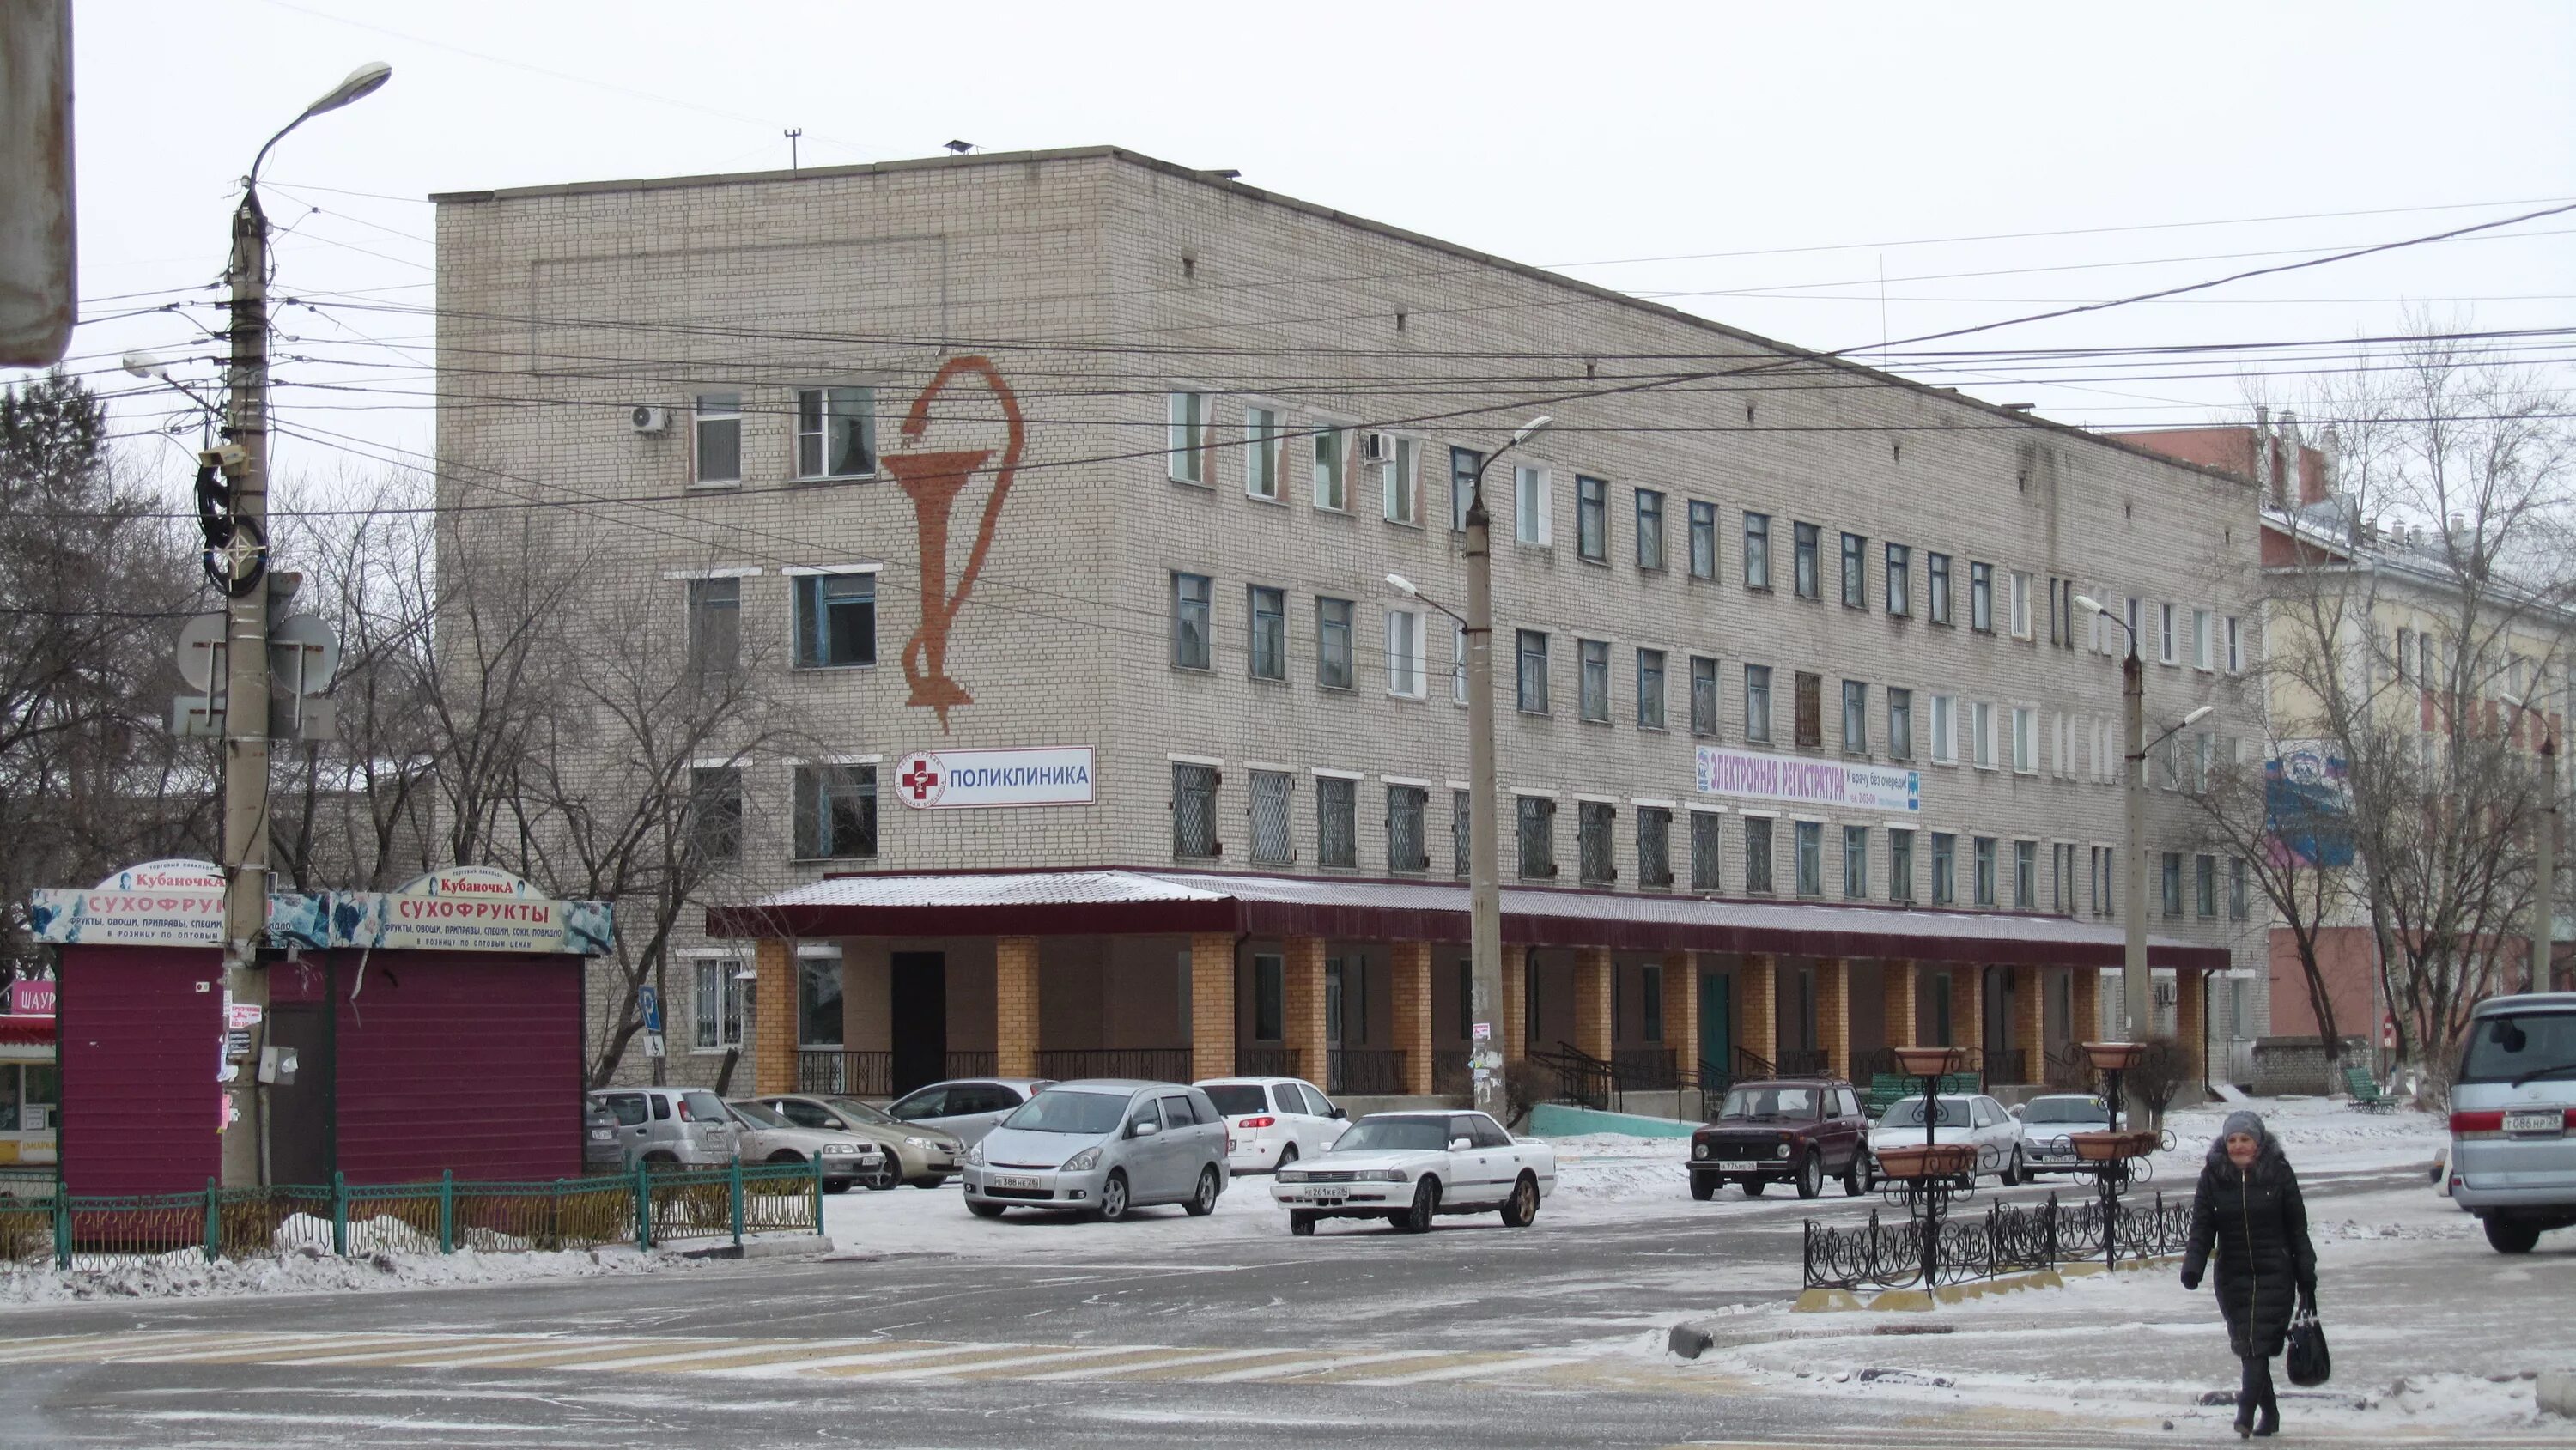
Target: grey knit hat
pixel 2244 1121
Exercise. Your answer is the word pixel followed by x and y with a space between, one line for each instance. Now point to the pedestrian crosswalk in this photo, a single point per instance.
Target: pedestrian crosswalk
pixel 873 1361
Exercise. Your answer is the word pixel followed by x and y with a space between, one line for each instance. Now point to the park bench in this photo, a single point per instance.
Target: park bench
pixel 2366 1094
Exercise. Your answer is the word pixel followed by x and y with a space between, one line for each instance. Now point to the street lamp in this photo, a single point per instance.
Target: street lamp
pixel 2544 916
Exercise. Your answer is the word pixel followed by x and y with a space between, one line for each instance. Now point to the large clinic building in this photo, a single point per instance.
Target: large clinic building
pixel 1060 491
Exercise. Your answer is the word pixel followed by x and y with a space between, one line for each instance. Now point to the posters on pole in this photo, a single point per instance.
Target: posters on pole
pixel 1794 780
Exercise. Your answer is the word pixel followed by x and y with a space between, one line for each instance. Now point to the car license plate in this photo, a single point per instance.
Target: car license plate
pixel 1013 1180
pixel 2547 1120
pixel 1322 1195
pixel 602 1134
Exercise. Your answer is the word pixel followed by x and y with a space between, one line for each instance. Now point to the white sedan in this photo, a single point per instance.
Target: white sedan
pixel 1970 1118
pixel 1271 1122
pixel 1407 1168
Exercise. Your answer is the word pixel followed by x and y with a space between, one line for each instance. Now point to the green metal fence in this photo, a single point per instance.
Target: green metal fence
pixel 644 1208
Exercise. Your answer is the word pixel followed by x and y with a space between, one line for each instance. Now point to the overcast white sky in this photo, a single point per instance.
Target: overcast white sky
pixel 1821 146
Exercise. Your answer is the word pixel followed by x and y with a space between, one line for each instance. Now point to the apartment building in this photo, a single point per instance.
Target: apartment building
pixel 1061 490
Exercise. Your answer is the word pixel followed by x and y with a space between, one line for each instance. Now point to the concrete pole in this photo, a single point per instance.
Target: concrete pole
pixel 245 841
pixel 1485 889
pixel 2137 986
pixel 2544 922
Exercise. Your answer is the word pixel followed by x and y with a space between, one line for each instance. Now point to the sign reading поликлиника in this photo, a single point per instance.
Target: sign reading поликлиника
pixel 930 780
pixel 1795 780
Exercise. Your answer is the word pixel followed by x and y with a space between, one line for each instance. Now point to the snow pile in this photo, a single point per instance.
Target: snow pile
pixel 186 1274
pixel 386 1234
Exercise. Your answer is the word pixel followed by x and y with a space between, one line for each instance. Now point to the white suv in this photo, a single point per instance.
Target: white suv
pixel 1273 1121
pixel 2513 1118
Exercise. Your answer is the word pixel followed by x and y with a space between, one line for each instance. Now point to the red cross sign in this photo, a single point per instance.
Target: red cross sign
pixel 921 779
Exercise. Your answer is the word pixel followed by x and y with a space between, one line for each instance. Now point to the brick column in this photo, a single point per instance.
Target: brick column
pixel 1302 1003
pixel 1896 986
pixel 2030 1022
pixel 1411 963
pixel 1515 1023
pixel 2084 1005
pixel 1681 1008
pixel 1015 1006
pixel 773 1032
pixel 1592 987
pixel 1757 1006
pixel 2191 1032
pixel 1212 1026
pixel 1833 1014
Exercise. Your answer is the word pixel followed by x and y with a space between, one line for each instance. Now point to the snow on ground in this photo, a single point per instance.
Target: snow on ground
pixel 185 1273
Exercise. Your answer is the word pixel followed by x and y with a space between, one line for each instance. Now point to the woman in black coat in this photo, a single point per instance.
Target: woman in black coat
pixel 2249 1210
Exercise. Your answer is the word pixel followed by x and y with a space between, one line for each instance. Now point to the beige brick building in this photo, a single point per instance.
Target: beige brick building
pixel 1084 451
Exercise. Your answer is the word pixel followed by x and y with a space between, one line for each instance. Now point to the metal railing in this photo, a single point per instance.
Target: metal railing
pixel 1802 1062
pixel 1152 1064
pixel 1581 1079
pixel 2008 1239
pixel 2007 1065
pixel 1452 1073
pixel 1750 1065
pixel 1367 1072
pixel 2070 1071
pixel 1267 1062
pixel 842 1070
pixel 1874 1062
pixel 1647 1069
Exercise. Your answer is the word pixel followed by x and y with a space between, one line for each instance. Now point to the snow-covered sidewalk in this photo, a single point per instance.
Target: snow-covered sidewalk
pixel 186 1273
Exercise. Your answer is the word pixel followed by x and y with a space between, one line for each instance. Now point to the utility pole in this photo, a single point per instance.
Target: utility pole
pixel 2544 914
pixel 245 843
pixel 2137 984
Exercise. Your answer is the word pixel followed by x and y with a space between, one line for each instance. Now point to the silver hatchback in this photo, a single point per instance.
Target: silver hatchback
pixel 671 1127
pixel 2513 1118
pixel 1101 1147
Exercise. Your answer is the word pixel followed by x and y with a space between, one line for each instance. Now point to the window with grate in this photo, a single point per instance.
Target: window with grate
pixel 1900 864
pixel 1703 699
pixel 1650 529
pixel 1596 680
pixel 1537 832
pixel 1406 848
pixel 1462 836
pixel 1856 862
pixel 1811 711
pixel 1650 689
pixel 836 812
pixel 1811 858
pixel 1757 855
pixel 1708 837
pixel 1808 569
pixel 1337 837
pixel 1703 539
pixel 1272 841
pixel 1592 822
pixel 1654 846
pixel 1194 810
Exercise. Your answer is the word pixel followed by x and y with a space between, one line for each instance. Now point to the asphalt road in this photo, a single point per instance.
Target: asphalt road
pixel 1543 1337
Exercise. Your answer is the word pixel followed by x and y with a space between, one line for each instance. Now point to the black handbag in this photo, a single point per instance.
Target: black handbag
pixel 2310 1362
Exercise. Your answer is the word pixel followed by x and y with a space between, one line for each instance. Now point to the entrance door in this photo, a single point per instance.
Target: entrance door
pixel 917 1014
pixel 1717 1020
pixel 1997 1000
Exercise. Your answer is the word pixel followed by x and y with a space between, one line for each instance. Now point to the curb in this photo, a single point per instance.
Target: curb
pixel 2555 1390
pixel 786 1246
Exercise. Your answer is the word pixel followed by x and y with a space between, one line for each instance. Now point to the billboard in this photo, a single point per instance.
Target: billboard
pixel 2307 805
pixel 1793 780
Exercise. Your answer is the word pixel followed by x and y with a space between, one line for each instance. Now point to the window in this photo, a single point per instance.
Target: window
pixel 1811 858
pixel 836 432
pixel 2061 878
pixel 1408 848
pixel 1186 444
pixel 1650 529
pixel 1981 597
pixel 2172 880
pixel 1708 837
pixel 1333 643
pixel 1650 689
pixel 1262 440
pixel 1269 997
pixel 2104 892
pixel 1855 718
pixel 2237 901
pixel 1337 841
pixel 1269 642
pixel 1530 505
pixel 1945 730
pixel 1856 862
pixel 1807 568
pixel 1404 653
pixel 1399 489
pixel 1900 579
pixel 1654 846
pixel 2166 628
pixel 2203 640
pixel 1462 835
pixel 836 620
pixel 1945 869
pixel 2061 611
pixel 1900 864
pixel 1985 870
pixel 715 812
pixel 1900 724
pixel 2025 740
pixel 1981 733
pixel 2020 605
pixel 1703 696
pixel 719 438
pixel 1855 571
pixel 1592 519
pixel 1595 701
pixel 1757 855
pixel 1464 465
pixel 715 626
pixel 718 1023
pixel 1703 540
pixel 1757 551
pixel 1271 843
pixel 1810 708
pixel 2204 884
pixel 836 812
pixel 1457 662
pixel 1533 670
pixel 1190 606
pixel 1331 451
pixel 1936 588
pixel 1194 810
pixel 1757 704
pixel 2025 875
pixel 1537 838
pixel 2236 645
pixel 1592 842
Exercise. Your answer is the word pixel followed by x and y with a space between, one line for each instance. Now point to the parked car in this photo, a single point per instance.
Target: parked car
pixel 1407 1168
pixel 675 1127
pixel 1799 1131
pixel 1101 1146
pixel 1970 1118
pixel 768 1137
pixel 2513 1119
pixel 922 1157
pixel 1271 1122
pixel 965 1109
pixel 2048 1126
pixel 600 1150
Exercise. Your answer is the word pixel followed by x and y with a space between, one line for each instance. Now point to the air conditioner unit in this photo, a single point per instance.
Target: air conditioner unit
pixel 649 420
pixel 1378 447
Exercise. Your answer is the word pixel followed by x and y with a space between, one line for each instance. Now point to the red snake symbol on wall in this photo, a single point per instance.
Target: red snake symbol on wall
pixel 933 480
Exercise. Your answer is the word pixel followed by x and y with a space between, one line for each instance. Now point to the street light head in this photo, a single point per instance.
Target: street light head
pixel 2196 716
pixel 2089 604
pixel 365 81
pixel 145 365
pixel 1401 585
pixel 1533 428
pixel 2508 696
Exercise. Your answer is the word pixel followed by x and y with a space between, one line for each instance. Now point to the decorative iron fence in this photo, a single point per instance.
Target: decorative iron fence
pixel 839 1070
pixel 1153 1064
pixel 1267 1062
pixel 2008 1239
pixel 1802 1062
pixel 1452 1073
pixel 2070 1071
pixel 1646 1069
pixel 971 1064
pixel 645 1208
pixel 1367 1072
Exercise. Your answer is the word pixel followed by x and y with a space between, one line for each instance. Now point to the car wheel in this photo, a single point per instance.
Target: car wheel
pixel 1811 1175
pixel 1521 1209
pixel 2510 1236
pixel 1203 1202
pixel 661 1162
pixel 1853 1187
pixel 981 1209
pixel 2014 1172
pixel 1704 1186
pixel 1753 1187
pixel 1113 1197
pixel 1287 1156
pixel 786 1155
pixel 1426 1206
pixel 1301 1222
pixel 1866 1165
pixel 887 1177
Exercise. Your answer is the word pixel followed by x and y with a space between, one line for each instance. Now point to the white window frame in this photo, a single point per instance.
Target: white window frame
pixel 1981 733
pixel 2235 645
pixel 728 985
pixel 2025 740
pixel 1457 662
pixel 1399 480
pixel 2021 628
pixel 1265 444
pixel 2168 624
pixel 1338 435
pixel 1533 505
pixel 702 417
pixel 1945 729
pixel 1186 438
pixel 797 435
pixel 1404 646
pixel 2203 645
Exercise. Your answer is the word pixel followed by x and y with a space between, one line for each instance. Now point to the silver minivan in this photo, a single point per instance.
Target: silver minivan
pixel 1103 1147
pixel 968 1108
pixel 2513 1118
pixel 667 1126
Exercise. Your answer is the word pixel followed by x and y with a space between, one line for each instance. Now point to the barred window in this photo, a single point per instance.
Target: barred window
pixel 1406 849
pixel 1336 821
pixel 1757 855
pixel 1271 843
pixel 1462 850
pixel 1537 838
pixel 1810 710
pixel 1708 837
pixel 1593 830
pixel 1703 705
pixel 1194 810
pixel 1654 846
